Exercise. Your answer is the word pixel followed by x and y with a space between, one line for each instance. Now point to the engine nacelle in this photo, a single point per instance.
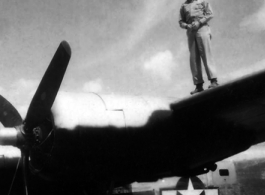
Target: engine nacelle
pixel 81 122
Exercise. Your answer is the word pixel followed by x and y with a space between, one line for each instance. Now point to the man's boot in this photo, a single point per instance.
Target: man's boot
pixel 213 83
pixel 198 89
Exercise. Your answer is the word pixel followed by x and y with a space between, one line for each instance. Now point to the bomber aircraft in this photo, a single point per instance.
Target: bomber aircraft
pixel 243 173
pixel 92 144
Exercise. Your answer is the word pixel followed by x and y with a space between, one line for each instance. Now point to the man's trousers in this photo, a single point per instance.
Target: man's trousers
pixel 199 42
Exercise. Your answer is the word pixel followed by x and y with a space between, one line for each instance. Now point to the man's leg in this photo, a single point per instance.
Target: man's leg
pixel 195 63
pixel 204 45
pixel 195 60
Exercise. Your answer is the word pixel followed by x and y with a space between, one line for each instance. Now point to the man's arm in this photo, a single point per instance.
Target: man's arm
pixel 208 13
pixel 182 19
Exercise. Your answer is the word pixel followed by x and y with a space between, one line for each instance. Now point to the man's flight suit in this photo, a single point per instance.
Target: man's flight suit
pixel 199 40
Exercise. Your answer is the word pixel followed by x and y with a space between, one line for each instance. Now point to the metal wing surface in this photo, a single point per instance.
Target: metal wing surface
pixel 223 121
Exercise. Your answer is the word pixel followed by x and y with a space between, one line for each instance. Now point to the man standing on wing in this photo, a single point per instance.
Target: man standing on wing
pixel 194 16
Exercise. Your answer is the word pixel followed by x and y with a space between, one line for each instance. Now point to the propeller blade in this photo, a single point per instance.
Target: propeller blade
pixel 25 167
pixel 9 116
pixel 46 93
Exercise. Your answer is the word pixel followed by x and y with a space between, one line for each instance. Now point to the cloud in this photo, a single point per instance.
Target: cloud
pixel 145 16
pixel 93 86
pixel 254 152
pixel 20 93
pixel 2 90
pixel 182 52
pixel 25 86
pixel 256 21
pixel 153 12
pixel 160 65
pixel 258 66
pixel 22 110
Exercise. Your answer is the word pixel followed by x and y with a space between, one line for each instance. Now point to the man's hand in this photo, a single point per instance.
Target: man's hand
pixel 189 26
pixel 195 25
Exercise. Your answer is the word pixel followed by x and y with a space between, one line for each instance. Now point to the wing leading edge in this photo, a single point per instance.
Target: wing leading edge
pixel 225 120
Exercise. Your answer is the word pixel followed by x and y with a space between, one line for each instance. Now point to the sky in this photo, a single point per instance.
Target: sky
pixel 131 47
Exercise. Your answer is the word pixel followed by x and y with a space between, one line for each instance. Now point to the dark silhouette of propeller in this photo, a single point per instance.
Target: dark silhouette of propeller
pixel 9 116
pixel 44 97
pixel 39 109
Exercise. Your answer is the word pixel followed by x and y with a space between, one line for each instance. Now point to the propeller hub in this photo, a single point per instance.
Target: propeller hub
pixel 9 136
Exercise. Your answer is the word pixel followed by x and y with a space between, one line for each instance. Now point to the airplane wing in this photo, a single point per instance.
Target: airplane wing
pixel 201 130
pixel 225 120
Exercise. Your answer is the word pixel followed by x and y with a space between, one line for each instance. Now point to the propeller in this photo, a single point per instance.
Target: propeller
pixel 39 109
pixel 44 97
pixel 9 116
